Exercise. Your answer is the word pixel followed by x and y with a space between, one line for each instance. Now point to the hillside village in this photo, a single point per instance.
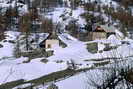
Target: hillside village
pixel 66 44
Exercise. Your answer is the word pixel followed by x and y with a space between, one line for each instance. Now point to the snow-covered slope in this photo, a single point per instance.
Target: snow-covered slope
pixel 21 6
pixel 14 68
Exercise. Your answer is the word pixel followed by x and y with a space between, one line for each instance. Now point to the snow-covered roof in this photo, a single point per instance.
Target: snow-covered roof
pixel 108 28
pixel 43 36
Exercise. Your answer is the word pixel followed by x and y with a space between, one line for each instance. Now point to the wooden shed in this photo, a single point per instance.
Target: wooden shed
pixel 50 43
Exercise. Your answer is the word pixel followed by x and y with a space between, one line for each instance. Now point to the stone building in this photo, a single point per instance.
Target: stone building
pixel 101 32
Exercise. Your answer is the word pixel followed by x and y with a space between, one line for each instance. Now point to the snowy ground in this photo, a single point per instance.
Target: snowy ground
pixel 59 13
pixel 87 80
pixel 75 82
pixel 14 69
pixel 76 50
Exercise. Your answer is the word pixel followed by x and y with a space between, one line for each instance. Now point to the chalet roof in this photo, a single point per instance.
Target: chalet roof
pixel 52 36
pixel 108 28
pixel 47 37
pixel 43 37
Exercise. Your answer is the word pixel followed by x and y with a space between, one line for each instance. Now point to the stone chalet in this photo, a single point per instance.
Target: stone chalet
pixel 101 32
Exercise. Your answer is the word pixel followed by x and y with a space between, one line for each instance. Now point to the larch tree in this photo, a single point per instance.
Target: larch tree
pixel 25 27
pixel 47 26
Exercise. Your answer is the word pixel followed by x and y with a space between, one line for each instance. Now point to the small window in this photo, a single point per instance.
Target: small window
pixel 49 46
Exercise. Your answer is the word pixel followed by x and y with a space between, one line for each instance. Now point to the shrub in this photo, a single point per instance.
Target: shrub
pixel 92 47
